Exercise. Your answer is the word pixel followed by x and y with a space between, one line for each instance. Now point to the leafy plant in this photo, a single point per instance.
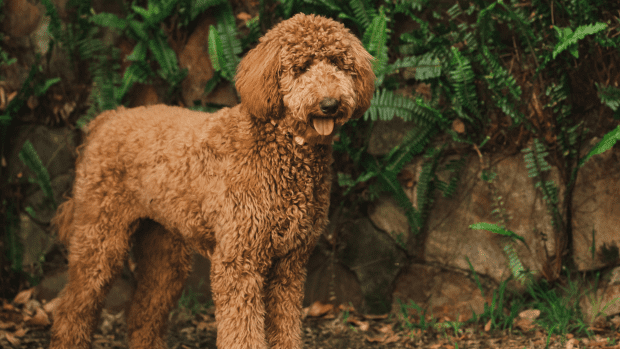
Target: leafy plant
pixel 28 155
pixel 569 39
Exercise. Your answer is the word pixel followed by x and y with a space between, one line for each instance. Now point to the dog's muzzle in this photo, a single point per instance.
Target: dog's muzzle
pixel 329 107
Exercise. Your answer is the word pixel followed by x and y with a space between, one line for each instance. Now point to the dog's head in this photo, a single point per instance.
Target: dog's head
pixel 309 74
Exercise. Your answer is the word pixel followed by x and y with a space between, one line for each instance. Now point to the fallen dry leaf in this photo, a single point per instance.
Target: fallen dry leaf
pixel 386 329
pixel 319 309
pixel 375 317
pixel 202 326
pixel 20 332
pixel 40 318
pixel 11 338
pixel 487 326
pixel 23 296
pixel 362 325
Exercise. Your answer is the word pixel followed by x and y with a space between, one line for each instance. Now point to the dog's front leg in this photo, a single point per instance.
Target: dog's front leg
pixel 284 293
pixel 237 285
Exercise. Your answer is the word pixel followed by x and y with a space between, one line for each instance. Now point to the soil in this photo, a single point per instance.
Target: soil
pixel 334 329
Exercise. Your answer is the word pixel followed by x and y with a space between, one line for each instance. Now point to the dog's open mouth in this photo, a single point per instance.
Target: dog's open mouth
pixel 323 126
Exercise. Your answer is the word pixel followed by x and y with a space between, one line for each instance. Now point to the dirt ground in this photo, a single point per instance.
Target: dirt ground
pixel 25 324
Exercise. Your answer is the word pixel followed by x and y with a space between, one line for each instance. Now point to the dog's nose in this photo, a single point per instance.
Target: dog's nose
pixel 329 105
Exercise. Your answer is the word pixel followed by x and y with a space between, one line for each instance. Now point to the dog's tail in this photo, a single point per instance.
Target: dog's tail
pixel 63 220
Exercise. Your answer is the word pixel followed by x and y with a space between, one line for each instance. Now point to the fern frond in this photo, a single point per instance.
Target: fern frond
pixel 28 155
pixel 558 93
pixel 413 143
pixel 386 104
pixel 499 80
pixel 608 141
pixel 199 6
pixel 215 49
pixel 454 166
pixel 231 45
pixel 426 184
pixel 363 12
pixel 391 184
pixel 388 181
pixel 427 66
pixel 610 96
pixel 164 55
pixel 568 37
pixel 516 267
pixel 156 12
pixel 55 26
pixel 137 72
pixel 111 20
pixel 375 40
pixel 461 76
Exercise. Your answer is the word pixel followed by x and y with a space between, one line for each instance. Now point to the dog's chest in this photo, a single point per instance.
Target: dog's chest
pixel 296 187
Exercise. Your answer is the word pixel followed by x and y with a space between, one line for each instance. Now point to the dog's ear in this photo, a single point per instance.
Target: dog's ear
pixel 364 77
pixel 258 81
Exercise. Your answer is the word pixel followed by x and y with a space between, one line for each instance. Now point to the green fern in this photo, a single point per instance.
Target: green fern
pixel 608 141
pixel 28 155
pixel 13 243
pixel 386 104
pixel 426 184
pixel 363 11
pixel 427 66
pixel 505 91
pixel 388 182
pixel 55 26
pixel 412 144
pixel 461 76
pixel 610 96
pixel 516 267
pixel 215 49
pixel 190 9
pixel 537 165
pixel 454 167
pixel 231 46
pixel 569 39
pixel 375 41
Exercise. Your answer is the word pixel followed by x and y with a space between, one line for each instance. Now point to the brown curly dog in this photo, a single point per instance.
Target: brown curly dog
pixel 248 187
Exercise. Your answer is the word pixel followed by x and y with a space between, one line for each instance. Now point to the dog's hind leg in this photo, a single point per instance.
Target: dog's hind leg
pixel 97 251
pixel 163 264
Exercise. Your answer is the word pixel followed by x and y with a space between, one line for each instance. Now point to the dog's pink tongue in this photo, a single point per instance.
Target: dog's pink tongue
pixel 323 126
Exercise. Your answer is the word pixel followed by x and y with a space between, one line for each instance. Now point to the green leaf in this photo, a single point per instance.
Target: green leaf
pixel 375 40
pixel 138 53
pixel 567 38
pixel 139 30
pixel 231 46
pixel 215 48
pixel 164 55
pixel 429 68
pixel 199 6
pixel 137 72
pixel 106 19
pixel 362 12
pixel 609 96
pixel 605 144
pixel 40 90
pixel 494 228
pixel 28 155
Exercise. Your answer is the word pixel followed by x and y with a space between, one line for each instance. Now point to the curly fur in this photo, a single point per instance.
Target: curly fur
pixel 248 187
